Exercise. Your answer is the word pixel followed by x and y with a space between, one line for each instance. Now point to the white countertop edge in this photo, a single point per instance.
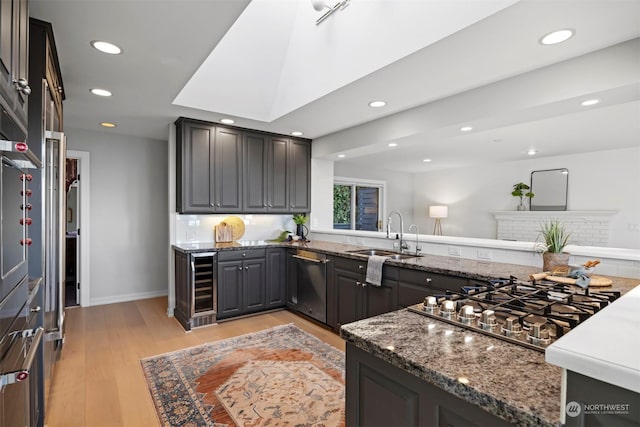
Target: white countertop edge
pixel 603 370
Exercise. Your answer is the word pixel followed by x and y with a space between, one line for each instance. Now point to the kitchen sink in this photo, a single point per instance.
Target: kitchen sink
pixel 382 252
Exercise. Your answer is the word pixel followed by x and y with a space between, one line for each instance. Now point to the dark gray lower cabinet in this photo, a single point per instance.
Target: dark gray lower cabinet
pixel 241 282
pixel 354 298
pixel 276 278
pixel 380 394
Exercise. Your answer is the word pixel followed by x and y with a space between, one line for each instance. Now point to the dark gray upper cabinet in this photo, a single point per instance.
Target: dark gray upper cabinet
pixel 228 170
pixel 14 61
pixel 194 167
pixel 299 176
pixel 225 170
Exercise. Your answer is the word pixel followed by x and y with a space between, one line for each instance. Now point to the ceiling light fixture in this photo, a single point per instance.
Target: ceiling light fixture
pixel 320 5
pixel 466 128
pixel 426 160
pixel 106 47
pixel 377 104
pixel 107 124
pixel 227 121
pixel 100 92
pixel 297 133
pixel 392 144
pixel 342 156
pixel 589 102
pixel 556 37
pixel 531 152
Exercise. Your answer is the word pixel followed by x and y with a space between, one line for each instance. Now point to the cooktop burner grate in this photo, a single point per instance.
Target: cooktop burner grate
pixel 531 314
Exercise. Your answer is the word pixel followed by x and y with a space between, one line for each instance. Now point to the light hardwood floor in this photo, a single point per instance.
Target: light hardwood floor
pixel 98 380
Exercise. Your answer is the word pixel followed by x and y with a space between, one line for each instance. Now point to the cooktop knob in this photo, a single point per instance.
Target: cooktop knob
pixel 488 320
pixel 430 304
pixel 466 315
pixel 511 327
pixel 448 309
pixel 539 335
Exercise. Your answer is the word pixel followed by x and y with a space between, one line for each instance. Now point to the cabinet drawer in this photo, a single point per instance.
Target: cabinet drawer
pixel 242 254
pixel 432 280
pixel 355 266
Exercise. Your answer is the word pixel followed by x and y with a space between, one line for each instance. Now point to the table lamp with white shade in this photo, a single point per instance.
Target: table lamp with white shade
pixel 438 212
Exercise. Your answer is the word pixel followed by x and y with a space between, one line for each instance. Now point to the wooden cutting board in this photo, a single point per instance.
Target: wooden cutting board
pixel 596 281
pixel 224 233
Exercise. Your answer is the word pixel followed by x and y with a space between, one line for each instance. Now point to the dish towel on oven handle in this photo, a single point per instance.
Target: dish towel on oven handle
pixel 374 270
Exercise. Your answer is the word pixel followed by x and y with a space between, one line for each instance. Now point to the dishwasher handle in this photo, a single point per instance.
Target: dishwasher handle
pixel 317 261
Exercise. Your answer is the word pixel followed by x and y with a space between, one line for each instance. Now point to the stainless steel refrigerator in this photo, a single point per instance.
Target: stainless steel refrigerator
pixel 47 253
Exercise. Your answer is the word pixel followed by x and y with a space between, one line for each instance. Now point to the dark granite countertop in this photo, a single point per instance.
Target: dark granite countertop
pixel 511 382
pixel 461 267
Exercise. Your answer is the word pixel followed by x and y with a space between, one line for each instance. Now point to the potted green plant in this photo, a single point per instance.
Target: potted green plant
pixel 556 237
pixel 301 229
pixel 519 191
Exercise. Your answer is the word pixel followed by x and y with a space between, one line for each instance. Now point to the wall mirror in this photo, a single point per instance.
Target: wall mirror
pixel 550 189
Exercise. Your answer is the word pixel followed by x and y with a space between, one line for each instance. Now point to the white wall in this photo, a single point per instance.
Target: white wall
pixel 400 189
pixel 128 222
pixel 604 180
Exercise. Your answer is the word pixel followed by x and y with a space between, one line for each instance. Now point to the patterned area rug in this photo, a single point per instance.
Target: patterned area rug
pixel 278 377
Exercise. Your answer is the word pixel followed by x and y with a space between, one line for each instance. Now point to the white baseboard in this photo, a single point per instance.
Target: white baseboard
pixel 128 297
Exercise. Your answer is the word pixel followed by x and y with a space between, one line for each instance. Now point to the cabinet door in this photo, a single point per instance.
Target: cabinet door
pixel 276 278
pixel 300 176
pixel 381 299
pixel 230 275
pixel 348 288
pixel 228 170
pixel 277 174
pixel 254 285
pixel 195 154
pixel 14 50
pixel 254 180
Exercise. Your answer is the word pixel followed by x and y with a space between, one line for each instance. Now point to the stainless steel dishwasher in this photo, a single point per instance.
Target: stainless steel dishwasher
pixel 311 289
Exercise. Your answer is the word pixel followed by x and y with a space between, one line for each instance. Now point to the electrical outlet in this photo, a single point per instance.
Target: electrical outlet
pixel 454 251
pixel 484 254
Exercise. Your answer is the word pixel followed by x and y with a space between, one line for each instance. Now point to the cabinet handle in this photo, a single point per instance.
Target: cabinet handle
pixel 270 205
pixel 22 86
pixel 264 205
pixel 361 267
pixel 293 206
pixel 246 268
pixel 364 284
pixel 429 280
pixel 244 254
pixel 239 268
pixel 358 283
pixel 218 204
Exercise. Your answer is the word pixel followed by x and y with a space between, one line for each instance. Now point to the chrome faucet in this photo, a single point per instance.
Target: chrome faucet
pixel 418 247
pixel 403 244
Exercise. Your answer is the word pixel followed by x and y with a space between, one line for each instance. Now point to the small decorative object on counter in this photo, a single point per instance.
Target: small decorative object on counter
pixel 518 191
pixel 555 237
pixel 301 229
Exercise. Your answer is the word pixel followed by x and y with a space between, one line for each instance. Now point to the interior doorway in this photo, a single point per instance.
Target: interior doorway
pixel 77 229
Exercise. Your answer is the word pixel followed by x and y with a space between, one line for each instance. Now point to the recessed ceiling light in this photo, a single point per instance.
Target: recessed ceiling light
pixel 426 160
pixel 297 133
pixel 531 152
pixel 100 92
pixel 392 144
pixel 589 102
pixel 342 156
pixel 377 104
pixel 106 47
pixel 466 128
pixel 107 124
pixel 557 36
pixel 227 121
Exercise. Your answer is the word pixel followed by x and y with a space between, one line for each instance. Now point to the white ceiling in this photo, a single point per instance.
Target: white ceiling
pixel 492 74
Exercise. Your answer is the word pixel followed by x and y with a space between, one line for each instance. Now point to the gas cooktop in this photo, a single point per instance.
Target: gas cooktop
pixel 531 314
